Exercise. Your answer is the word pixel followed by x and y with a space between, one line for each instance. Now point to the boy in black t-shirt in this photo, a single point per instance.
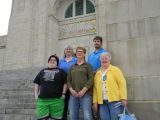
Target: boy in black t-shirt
pixel 50 88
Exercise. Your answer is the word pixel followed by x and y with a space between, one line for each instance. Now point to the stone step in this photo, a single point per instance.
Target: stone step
pixel 12 87
pixel 19 74
pixel 22 101
pixel 15 83
pixel 21 111
pixel 12 81
pixel 18 91
pixel 17 117
pixel 17 106
pixel 10 92
pixel 29 111
pixel 17 96
pixel 17 100
pixel 24 96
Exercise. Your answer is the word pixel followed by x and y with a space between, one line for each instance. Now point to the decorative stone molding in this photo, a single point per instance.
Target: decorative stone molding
pixel 77 27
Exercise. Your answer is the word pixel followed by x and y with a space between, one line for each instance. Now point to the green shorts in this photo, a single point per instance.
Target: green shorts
pixel 50 107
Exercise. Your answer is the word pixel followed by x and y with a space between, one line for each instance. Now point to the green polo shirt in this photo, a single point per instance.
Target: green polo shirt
pixel 80 76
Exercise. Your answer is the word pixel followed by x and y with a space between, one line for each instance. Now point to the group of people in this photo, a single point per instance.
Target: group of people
pixel 94 86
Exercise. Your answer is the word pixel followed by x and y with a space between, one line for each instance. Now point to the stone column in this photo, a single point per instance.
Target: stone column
pixel 53 35
pixel 100 6
pixel 26 39
pixel 18 38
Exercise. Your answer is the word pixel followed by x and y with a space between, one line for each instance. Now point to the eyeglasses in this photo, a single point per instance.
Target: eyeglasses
pixel 104 77
pixel 79 51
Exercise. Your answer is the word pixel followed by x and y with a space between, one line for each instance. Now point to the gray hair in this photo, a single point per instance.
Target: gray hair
pixel 68 46
pixel 106 54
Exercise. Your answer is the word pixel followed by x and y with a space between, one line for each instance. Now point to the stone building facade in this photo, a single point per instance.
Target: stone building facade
pixel 130 29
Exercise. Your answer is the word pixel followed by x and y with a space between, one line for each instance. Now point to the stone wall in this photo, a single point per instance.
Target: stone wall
pixel 133 33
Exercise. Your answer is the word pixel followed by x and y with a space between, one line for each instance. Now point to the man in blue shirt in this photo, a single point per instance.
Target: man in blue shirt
pixel 94 57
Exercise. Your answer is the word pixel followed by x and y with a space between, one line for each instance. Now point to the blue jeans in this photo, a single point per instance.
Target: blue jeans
pixel 110 110
pixel 85 103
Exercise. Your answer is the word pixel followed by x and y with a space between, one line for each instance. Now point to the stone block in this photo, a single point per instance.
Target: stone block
pixel 135 60
pixel 155 26
pixel 3 42
pixel 3 100
pixel 2 58
pixel 33 117
pixel 16 117
pixel 21 111
pixel 148 110
pixel 133 29
pixel 118 31
pixel 19 75
pixel 20 106
pixel 2 117
pixel 21 100
pixel 2 111
pixel 144 88
pixel 117 11
pixel 150 8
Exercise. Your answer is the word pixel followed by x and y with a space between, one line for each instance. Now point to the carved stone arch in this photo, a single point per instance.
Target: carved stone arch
pixel 61 6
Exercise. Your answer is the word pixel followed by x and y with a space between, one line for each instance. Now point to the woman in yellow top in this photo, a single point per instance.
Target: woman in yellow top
pixel 109 91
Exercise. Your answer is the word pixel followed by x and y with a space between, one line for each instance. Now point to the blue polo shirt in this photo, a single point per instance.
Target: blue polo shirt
pixel 63 64
pixel 94 58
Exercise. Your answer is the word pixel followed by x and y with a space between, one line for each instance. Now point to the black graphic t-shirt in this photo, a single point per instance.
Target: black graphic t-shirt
pixel 51 81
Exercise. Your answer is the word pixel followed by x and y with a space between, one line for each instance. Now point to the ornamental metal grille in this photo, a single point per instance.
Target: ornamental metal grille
pixel 89 7
pixel 79 7
pixel 69 12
